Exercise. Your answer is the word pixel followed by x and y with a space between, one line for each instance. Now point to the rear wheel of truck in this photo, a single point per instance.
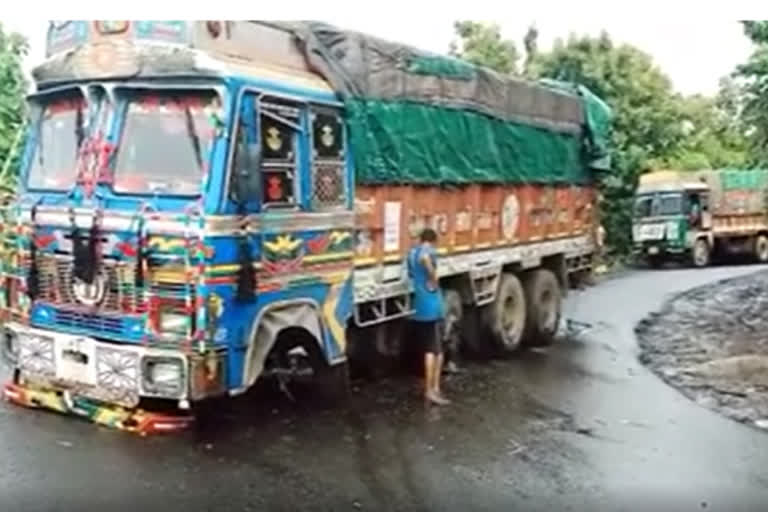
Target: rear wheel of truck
pixel 453 322
pixel 474 340
pixel 761 249
pixel 700 253
pixel 543 301
pixel 505 317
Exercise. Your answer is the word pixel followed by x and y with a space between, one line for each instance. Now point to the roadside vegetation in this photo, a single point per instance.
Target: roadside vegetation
pixel 654 126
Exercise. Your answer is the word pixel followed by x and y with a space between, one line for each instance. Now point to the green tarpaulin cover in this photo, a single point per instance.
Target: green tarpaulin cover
pixel 416 117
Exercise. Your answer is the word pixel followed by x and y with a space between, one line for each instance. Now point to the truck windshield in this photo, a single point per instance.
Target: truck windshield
pixel 643 206
pixel 165 143
pixel 669 204
pixel 59 131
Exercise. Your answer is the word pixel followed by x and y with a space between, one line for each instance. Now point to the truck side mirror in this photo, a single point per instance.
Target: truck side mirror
pixel 247 177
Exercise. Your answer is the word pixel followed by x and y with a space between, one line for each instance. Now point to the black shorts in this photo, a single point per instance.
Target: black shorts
pixel 428 335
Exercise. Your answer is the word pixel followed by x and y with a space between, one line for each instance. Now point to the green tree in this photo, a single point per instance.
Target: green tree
pixel 13 86
pixel 647 127
pixel 754 93
pixel 713 136
pixel 482 44
pixel 653 127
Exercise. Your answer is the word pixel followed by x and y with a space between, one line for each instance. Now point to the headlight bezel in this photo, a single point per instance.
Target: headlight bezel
pixel 152 386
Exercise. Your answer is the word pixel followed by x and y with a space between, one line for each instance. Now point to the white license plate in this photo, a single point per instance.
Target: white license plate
pixel 653 250
pixel 651 232
pixel 76 359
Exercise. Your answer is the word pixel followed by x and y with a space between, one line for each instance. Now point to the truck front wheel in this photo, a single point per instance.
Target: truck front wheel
pixel 505 318
pixel 701 253
pixel 543 300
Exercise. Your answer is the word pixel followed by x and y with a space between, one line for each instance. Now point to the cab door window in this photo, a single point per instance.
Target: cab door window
pixel 265 166
pixel 279 128
pixel 328 176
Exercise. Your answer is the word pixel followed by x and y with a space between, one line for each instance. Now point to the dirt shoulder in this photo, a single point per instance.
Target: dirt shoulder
pixel 711 343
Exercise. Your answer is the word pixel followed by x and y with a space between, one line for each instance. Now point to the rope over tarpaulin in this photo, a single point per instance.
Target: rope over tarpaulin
pixel 417 117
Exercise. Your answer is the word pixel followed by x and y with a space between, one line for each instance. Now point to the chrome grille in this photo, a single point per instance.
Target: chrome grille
pixel 81 321
pixel 56 281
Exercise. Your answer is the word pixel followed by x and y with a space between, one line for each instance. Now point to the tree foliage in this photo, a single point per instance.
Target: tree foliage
pixel 13 87
pixel 653 127
pixel 752 97
pixel 483 45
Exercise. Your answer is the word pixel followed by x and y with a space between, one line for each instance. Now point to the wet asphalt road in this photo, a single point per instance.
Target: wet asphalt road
pixel 582 427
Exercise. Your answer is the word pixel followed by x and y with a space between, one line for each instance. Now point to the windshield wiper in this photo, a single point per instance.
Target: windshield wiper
pixel 192 133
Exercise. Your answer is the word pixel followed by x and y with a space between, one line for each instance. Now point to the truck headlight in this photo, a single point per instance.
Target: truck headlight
pixel 163 376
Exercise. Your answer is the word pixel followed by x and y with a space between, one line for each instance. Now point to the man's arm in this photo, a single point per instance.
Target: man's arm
pixel 431 270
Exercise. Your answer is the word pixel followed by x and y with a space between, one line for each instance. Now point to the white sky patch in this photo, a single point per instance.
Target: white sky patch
pixel 694 45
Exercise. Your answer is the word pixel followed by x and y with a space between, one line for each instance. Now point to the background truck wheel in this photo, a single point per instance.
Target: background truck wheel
pixel 505 318
pixel 700 253
pixel 453 323
pixel 543 302
pixel 331 383
pixel 761 248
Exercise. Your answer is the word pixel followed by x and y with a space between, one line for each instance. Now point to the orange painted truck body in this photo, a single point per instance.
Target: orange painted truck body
pixel 468 218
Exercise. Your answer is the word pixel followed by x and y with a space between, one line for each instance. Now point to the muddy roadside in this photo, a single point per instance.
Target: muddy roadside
pixel 710 343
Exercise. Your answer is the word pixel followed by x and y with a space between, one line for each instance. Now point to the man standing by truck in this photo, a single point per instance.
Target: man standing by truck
pixel 428 312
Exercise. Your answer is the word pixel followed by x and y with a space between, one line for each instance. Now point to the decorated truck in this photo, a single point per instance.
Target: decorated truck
pixel 206 204
pixel 693 216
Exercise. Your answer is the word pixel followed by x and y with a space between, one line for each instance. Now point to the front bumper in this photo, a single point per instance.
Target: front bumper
pixel 98 380
pixel 135 421
pixel 658 249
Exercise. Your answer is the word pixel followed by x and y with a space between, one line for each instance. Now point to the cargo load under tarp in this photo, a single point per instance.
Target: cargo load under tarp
pixel 417 117
pixel 735 191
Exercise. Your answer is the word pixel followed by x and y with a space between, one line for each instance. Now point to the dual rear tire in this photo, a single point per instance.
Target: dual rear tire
pixel 526 313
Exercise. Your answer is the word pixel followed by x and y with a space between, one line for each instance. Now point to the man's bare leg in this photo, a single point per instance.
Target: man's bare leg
pixel 429 370
pixel 438 375
pixel 432 392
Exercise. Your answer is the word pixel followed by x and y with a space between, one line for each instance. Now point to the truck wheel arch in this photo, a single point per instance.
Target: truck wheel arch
pixel 269 323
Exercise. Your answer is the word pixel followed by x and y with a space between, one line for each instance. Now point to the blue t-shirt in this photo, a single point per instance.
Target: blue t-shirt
pixel 427 304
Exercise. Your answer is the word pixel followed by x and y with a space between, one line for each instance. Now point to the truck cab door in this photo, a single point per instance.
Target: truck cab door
pixel 706 214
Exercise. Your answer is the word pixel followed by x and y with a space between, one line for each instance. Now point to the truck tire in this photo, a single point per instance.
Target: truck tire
pixel 474 341
pixel 331 383
pixel 453 322
pixel 543 301
pixel 700 254
pixel 505 317
pixel 761 249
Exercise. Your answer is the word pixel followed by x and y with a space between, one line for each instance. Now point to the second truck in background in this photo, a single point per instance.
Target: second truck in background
pixel 693 216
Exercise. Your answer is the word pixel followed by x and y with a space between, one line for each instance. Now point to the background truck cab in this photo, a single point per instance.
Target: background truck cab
pixel 691 216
